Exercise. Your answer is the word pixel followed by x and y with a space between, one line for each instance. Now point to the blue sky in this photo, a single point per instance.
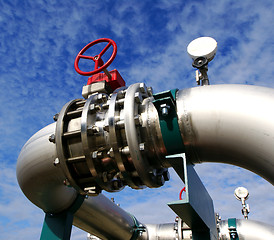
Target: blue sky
pixel 39 41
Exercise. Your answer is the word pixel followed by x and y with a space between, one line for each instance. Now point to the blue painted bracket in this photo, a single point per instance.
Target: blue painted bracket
pixel 196 209
pixel 58 226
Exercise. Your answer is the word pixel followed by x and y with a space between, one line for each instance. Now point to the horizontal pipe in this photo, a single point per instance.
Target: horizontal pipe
pixel 103 218
pixel 231 124
pixel 167 231
pixel 218 123
pixel 247 230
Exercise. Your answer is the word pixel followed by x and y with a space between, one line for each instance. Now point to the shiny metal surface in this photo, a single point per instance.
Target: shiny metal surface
pixel 41 181
pixel 100 216
pixel 147 172
pixel 109 141
pixel 69 154
pixel 167 231
pixel 152 134
pixel 229 124
pixel 131 110
pixel 248 230
pixel 43 184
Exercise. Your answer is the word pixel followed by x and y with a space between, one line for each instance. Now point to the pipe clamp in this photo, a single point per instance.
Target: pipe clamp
pixel 165 104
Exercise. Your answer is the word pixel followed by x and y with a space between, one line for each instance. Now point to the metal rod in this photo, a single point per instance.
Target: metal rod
pixel 107 73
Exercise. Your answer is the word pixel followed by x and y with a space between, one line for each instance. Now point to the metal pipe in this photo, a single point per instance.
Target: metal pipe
pixel 218 123
pixel 166 231
pixel 247 230
pixel 42 181
pixel 103 218
pixel 229 124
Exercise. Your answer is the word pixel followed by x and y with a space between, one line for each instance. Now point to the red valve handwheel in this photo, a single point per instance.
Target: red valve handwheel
pixel 99 64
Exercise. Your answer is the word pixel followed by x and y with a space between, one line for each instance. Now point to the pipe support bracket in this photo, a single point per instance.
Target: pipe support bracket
pixel 165 104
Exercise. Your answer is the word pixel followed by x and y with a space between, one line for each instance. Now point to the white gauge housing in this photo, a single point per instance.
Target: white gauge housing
pixel 202 47
pixel 241 193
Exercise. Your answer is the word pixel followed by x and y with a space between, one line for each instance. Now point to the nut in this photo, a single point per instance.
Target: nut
pixel 138 97
pixel 56 161
pixel 150 91
pixel 52 138
pixel 55 117
pixel 142 88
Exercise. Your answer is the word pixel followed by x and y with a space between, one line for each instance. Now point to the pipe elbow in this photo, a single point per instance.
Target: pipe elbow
pixel 39 179
pixel 229 124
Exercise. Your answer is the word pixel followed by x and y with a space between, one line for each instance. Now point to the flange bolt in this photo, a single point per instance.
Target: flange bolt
pixel 52 138
pixel 55 117
pixel 164 109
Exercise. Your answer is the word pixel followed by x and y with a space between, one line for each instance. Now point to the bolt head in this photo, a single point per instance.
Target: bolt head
pixel 56 161
pixel 52 138
pixel 95 129
pixel 143 88
pixel 142 147
pixel 101 98
pixel 94 154
pixel 121 94
pixel 55 117
pixel 150 91
pixel 164 109
pixel 92 108
pixel 138 97
pixel 110 153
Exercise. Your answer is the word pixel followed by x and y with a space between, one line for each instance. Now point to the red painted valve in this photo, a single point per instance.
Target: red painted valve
pixel 99 64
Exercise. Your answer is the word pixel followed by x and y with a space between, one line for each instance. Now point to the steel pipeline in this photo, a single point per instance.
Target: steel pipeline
pixel 218 123
pixel 43 184
pixel 247 230
pixel 231 124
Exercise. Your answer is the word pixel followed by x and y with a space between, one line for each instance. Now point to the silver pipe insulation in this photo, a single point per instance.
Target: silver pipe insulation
pixel 218 123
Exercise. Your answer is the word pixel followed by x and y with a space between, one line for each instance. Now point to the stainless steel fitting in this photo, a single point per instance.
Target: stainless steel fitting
pixel 111 140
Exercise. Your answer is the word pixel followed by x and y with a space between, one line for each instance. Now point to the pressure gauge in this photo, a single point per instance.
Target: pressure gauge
pixel 241 193
pixel 202 47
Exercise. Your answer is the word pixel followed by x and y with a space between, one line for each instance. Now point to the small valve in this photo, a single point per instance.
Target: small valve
pixel 242 195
